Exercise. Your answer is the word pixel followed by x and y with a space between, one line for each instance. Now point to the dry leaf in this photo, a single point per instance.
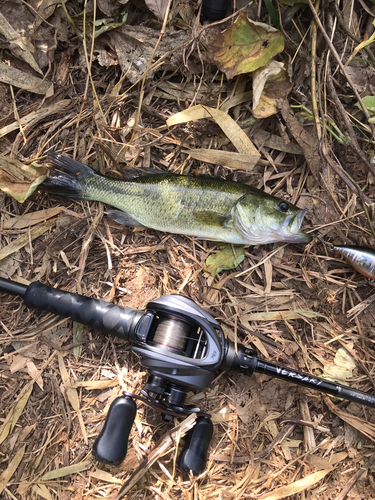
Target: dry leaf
pixel 15 412
pixel 45 9
pixel 343 367
pixel 24 81
pixel 34 373
pixel 276 142
pixel 135 46
pixel 42 490
pixel 158 7
pixel 102 475
pixel 19 45
pixel 224 415
pixel 230 128
pixel 296 487
pixel 30 219
pixel 229 159
pixel 18 363
pixel 261 76
pixel 40 114
pixel 66 471
pixel 92 385
pixel 11 469
pixel 77 337
pixel 366 428
pixel 281 315
pixel 270 83
pixel 25 239
pixel 72 394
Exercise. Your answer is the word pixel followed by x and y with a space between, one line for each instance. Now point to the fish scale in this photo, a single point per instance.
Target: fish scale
pixel 205 207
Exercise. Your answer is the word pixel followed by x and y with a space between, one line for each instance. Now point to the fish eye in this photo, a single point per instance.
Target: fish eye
pixel 283 206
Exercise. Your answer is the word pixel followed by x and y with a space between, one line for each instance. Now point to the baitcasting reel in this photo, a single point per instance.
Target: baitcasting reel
pixel 181 346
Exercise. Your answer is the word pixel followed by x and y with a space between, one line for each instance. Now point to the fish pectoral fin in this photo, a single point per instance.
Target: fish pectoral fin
pixel 124 218
pixel 212 218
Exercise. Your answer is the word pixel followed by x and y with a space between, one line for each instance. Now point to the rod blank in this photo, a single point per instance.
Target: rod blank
pixel 12 287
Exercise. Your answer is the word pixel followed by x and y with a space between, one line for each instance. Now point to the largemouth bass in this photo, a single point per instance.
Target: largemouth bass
pixel 206 207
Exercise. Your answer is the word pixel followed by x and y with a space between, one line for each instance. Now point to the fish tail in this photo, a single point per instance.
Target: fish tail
pixel 67 177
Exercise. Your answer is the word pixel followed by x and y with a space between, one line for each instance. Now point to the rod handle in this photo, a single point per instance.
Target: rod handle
pixel 111 445
pixel 194 454
pixel 103 316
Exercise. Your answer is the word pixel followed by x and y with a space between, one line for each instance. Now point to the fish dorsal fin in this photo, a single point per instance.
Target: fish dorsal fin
pixel 138 172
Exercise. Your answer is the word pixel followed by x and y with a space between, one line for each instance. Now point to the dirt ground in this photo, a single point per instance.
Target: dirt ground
pixel 302 306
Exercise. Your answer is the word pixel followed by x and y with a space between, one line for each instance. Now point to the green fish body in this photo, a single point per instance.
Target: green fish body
pixel 204 207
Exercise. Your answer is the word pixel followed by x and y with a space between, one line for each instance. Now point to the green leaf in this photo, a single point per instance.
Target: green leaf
pixel 108 24
pixel 369 102
pixel 228 257
pixel 246 46
pixel 273 12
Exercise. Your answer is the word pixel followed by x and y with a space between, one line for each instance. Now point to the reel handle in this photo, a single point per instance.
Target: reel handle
pixel 194 454
pixel 111 445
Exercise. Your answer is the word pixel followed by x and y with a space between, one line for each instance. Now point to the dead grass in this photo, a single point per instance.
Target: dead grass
pixel 297 304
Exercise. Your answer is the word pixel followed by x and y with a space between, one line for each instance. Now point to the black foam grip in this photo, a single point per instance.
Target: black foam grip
pixel 111 445
pixel 103 316
pixel 194 455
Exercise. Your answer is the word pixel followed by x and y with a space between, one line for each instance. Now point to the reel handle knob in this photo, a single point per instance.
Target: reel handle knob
pixel 194 454
pixel 111 445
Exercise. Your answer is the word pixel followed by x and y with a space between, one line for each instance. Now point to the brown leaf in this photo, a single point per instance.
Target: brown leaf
pixel 25 81
pixel 11 469
pixel 20 46
pixel 271 82
pixel 134 46
pixel 230 128
pixel 296 487
pixel 158 7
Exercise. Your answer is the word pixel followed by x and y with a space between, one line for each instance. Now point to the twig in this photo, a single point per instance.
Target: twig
pixel 348 32
pixel 340 108
pixel 142 91
pixel 354 479
pixel 359 308
pixel 314 32
pixel 342 67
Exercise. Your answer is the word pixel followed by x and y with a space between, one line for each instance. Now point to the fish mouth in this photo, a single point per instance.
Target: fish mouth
pixel 292 227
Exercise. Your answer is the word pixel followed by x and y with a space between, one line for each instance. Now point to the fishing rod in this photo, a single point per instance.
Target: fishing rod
pixel 181 346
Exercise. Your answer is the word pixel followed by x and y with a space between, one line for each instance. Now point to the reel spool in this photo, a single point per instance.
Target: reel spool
pixel 171 333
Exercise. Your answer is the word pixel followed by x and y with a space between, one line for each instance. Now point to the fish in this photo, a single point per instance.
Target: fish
pixel 205 207
pixel 361 258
